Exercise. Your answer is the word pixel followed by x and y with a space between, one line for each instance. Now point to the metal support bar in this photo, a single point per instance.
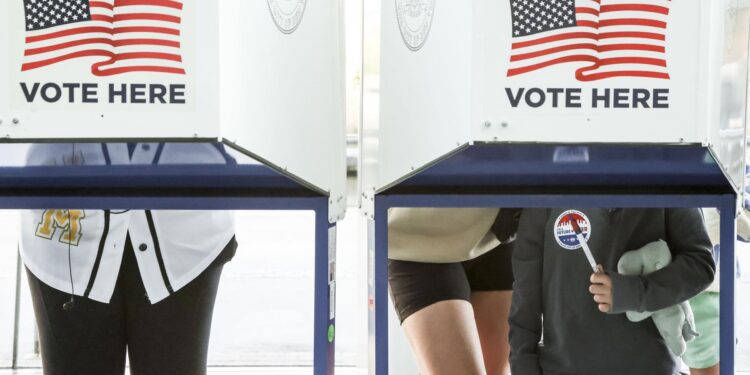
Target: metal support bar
pixel 378 250
pixel 325 288
pixel 17 311
pixel 727 263
pixel 325 236
pixel 551 200
pixel 378 288
pixel 163 203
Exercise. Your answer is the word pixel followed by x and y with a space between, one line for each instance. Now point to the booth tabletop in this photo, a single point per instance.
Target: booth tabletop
pixel 150 180
pixel 242 177
pixel 570 169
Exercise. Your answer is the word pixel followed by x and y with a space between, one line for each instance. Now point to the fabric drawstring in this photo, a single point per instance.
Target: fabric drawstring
pixel 70 304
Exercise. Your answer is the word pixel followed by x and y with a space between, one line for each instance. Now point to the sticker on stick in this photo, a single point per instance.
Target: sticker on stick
pixel 564 232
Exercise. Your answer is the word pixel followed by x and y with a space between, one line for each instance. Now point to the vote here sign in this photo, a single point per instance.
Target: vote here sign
pixel 108 69
pixel 637 71
pixel 596 70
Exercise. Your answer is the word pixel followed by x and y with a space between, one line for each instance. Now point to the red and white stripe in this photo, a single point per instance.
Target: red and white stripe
pixel 128 35
pixel 614 38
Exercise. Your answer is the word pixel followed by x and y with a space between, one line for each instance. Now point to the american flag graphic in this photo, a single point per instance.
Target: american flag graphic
pixel 613 38
pixel 128 35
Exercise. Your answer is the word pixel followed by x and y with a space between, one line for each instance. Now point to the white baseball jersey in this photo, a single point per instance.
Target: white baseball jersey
pixel 171 247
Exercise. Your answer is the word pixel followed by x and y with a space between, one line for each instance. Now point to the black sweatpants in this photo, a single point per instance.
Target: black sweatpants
pixel 169 337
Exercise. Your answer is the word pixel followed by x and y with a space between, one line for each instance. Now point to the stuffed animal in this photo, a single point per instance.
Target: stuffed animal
pixel 675 323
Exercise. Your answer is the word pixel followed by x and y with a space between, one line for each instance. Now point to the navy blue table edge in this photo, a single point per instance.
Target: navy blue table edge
pixel 187 187
pixel 419 193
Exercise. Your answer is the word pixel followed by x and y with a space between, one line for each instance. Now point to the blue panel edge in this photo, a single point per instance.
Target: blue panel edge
pixel 535 166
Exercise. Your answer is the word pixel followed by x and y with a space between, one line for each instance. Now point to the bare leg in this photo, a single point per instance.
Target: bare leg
pixel 713 370
pixel 491 310
pixel 445 340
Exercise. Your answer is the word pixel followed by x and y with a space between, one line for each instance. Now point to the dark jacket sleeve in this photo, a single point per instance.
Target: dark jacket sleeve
pixel 526 310
pixel 691 271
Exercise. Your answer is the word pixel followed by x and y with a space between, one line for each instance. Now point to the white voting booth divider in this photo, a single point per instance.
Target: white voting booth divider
pixel 233 74
pixel 452 74
pixel 283 86
pixel 465 85
pixel 263 77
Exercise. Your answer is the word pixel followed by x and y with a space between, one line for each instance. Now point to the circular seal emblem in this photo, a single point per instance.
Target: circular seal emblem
pixel 287 14
pixel 563 229
pixel 415 21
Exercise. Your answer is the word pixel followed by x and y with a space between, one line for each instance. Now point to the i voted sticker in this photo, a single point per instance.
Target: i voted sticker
pixel 563 229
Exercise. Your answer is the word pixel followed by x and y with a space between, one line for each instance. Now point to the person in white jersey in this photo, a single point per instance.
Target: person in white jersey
pixel 106 282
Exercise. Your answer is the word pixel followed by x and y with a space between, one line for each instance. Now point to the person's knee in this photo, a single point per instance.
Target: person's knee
pixel 713 370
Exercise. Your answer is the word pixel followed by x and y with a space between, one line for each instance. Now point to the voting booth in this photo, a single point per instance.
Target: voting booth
pixel 262 80
pixel 578 103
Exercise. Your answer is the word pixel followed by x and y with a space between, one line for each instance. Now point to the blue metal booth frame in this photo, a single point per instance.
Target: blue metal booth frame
pixel 186 187
pixel 557 176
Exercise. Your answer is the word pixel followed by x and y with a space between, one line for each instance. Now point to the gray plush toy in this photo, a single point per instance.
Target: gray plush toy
pixel 675 323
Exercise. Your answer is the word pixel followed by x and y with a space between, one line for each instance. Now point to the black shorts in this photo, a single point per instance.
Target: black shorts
pixel 415 285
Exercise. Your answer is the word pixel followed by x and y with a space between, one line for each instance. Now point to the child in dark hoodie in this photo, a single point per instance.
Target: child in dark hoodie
pixel 581 312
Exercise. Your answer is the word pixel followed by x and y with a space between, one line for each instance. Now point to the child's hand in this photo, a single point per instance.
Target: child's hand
pixel 601 288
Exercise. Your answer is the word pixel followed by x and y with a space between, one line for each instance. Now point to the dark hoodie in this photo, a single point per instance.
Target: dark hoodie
pixel 551 290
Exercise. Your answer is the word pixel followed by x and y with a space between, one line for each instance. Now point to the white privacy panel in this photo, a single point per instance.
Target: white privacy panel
pixel 282 73
pixel 579 71
pixel 265 76
pixel 92 70
pixel 425 86
pixel 730 99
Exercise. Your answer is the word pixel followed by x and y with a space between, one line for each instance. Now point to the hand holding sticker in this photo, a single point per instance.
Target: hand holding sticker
pixel 585 246
pixel 601 283
pixel 601 289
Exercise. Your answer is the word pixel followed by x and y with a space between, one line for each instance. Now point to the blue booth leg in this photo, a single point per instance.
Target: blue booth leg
pixel 377 248
pixel 378 251
pixel 727 264
pixel 325 243
pixel 324 361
